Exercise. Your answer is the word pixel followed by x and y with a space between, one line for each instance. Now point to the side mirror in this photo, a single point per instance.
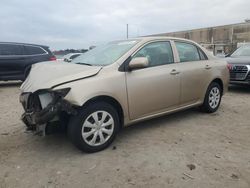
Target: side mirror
pixel 138 63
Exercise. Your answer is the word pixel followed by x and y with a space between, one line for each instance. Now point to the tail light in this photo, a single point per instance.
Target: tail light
pixel 229 66
pixel 53 58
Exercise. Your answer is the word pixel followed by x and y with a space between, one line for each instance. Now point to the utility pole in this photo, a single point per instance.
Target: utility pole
pixel 127 31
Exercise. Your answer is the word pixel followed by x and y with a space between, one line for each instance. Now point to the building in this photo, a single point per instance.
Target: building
pixel 219 39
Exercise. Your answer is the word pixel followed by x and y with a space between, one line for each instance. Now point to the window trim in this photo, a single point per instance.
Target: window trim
pixel 19 45
pixel 26 45
pixel 203 53
pixel 190 43
pixel 23 50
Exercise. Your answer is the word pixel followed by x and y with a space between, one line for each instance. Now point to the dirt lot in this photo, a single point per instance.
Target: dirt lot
pixel 156 153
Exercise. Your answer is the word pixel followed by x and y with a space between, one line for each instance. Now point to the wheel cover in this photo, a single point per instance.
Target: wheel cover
pixel 98 128
pixel 214 97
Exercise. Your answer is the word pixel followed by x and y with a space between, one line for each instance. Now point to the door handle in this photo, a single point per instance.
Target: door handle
pixel 208 67
pixel 174 72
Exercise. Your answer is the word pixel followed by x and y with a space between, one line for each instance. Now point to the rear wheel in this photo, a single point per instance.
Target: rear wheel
pixel 212 98
pixel 94 128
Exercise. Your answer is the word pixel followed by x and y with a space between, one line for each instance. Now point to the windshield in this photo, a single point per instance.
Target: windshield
pixel 242 51
pixel 105 54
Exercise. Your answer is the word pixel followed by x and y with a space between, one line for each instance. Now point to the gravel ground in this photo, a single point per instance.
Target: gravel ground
pixel 186 149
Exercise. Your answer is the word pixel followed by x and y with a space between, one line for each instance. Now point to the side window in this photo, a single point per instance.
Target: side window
pixel 11 49
pixel 187 52
pixel 33 50
pixel 158 53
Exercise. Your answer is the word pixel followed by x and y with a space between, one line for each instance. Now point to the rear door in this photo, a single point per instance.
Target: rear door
pixel 195 71
pixel 11 61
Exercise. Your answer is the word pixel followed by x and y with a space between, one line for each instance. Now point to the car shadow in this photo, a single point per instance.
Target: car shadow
pixel 239 88
pixel 60 142
pixel 155 123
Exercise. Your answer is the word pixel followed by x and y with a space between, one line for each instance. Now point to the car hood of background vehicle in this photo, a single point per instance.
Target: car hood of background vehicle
pixel 238 60
pixel 48 74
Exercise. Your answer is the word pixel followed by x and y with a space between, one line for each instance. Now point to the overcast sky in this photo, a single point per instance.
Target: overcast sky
pixel 80 23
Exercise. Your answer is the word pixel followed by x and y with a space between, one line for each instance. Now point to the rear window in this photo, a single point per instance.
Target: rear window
pixel 33 50
pixel 187 52
pixel 11 49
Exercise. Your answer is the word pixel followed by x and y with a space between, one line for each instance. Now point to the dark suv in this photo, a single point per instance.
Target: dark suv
pixel 16 59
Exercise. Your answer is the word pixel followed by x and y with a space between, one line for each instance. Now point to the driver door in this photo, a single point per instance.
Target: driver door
pixel 154 89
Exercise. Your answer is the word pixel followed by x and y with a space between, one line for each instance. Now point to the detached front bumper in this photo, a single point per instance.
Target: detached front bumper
pixel 36 115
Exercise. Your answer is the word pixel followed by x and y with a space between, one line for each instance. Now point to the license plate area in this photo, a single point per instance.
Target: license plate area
pixel 240 76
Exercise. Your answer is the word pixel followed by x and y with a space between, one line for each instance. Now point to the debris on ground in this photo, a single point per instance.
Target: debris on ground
pixel 191 166
pixel 58 172
pixel 91 168
pixel 234 176
pixel 217 156
pixel 189 176
pixel 114 148
pixel 5 134
pixel 130 181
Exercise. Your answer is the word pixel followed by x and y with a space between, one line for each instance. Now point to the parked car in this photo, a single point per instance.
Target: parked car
pixel 121 83
pixel 16 59
pixel 239 65
pixel 69 57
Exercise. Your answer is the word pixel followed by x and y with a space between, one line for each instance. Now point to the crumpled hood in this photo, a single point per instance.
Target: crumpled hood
pixel 48 74
pixel 238 60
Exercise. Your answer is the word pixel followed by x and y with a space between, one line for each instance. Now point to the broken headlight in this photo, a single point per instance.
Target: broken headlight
pixel 62 92
pixel 47 97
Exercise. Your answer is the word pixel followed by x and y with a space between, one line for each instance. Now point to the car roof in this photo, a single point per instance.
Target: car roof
pixel 19 43
pixel 155 38
pixel 148 38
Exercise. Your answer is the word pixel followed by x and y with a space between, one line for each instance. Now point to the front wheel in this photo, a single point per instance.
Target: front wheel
pixel 212 98
pixel 94 128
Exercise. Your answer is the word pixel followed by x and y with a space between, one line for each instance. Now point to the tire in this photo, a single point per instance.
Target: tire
pixel 90 131
pixel 212 98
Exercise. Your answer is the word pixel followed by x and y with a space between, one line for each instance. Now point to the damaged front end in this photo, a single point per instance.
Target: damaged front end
pixel 43 107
